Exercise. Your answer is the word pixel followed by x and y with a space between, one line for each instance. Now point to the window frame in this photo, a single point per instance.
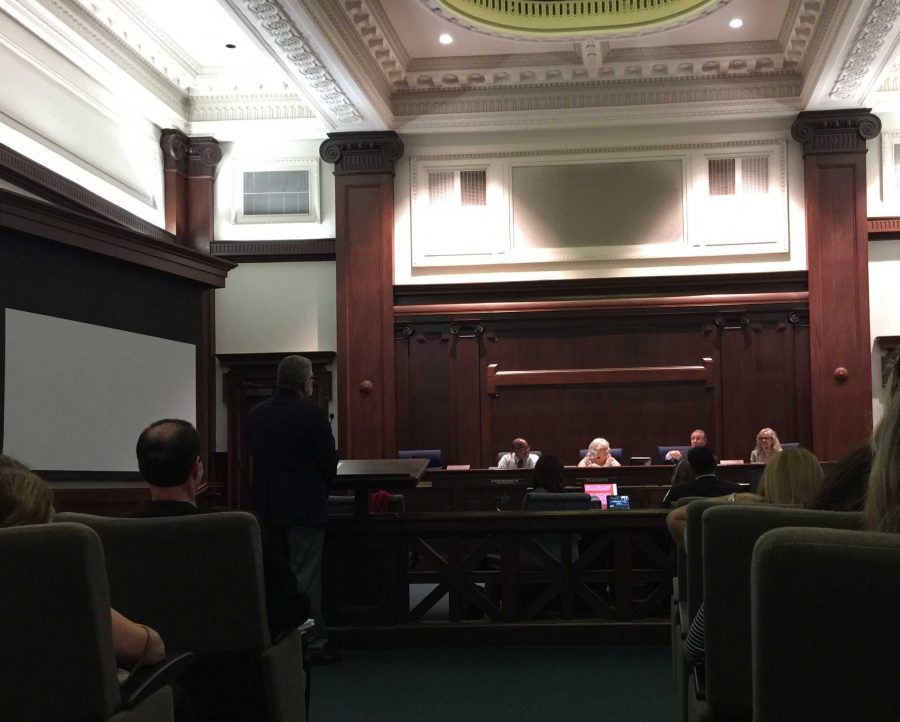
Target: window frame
pixel 310 165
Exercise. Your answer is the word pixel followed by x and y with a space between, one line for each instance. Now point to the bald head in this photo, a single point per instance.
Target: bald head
pixel 520 448
pixel 167 452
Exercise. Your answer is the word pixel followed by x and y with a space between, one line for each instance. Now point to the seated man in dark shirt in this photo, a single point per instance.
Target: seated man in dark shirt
pixel 705 482
pixel 168 454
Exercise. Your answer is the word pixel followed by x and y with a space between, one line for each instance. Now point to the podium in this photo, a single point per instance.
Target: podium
pixel 364 475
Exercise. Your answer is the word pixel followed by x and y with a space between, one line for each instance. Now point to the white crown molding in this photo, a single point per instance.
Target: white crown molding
pixel 92 32
pixel 615 93
pixel 248 108
pixel 274 27
pixel 870 53
pixel 608 118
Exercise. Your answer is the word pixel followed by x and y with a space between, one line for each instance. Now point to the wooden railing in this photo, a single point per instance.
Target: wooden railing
pixel 498 567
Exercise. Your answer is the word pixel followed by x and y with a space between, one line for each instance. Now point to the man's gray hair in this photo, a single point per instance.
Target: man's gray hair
pixel 293 371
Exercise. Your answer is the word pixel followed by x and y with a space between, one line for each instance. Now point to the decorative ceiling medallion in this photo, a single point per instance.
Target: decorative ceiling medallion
pixel 571 19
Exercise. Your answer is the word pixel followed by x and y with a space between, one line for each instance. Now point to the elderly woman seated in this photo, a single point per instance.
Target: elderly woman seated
pixel 598 454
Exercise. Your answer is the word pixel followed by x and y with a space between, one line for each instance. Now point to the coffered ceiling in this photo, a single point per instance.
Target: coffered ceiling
pixel 338 65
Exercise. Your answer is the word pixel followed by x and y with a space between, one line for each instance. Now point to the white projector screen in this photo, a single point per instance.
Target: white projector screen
pixel 76 396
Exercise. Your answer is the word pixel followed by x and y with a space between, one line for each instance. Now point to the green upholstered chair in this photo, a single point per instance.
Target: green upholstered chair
pixel 198 580
pixel 57 654
pixel 825 628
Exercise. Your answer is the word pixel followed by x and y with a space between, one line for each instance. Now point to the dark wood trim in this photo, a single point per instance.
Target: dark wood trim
pixel 884 229
pixel 31 176
pixel 206 383
pixel 730 284
pixel 573 377
pixel 99 236
pixel 613 305
pixel 313 249
pixel 254 360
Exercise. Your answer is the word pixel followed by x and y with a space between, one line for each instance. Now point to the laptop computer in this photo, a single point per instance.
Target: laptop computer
pixel 618 502
pixel 600 491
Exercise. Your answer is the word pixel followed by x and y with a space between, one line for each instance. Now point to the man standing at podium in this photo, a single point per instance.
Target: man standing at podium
pixel 293 462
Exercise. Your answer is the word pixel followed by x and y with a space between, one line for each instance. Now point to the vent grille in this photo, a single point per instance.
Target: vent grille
pixel 276 192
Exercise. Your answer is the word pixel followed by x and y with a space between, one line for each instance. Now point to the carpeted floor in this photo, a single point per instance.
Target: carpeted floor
pixel 471 684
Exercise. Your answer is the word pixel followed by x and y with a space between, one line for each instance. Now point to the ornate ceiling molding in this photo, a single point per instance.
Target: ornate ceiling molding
pixel 564 20
pixel 248 108
pixel 275 28
pixel 86 26
pixel 615 93
pixel 869 52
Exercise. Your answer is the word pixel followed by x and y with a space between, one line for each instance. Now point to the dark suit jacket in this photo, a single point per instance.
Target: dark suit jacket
pixel 293 460
pixel 286 606
pixel 706 485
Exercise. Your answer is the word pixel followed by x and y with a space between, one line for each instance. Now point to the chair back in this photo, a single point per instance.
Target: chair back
pixel 790 444
pixel 825 625
pixel 435 459
pixel 57 652
pixel 197 579
pixel 661 452
pixel 729 534
pixel 693 551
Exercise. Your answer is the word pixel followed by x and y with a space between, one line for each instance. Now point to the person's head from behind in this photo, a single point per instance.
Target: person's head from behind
pixel 7 462
pixel 547 474
pixel 702 461
pixel 792 477
pixel 520 449
pixel 844 487
pixel 698 437
pixel 295 373
pixel 598 450
pixel 168 454
pixel 882 509
pixel 25 498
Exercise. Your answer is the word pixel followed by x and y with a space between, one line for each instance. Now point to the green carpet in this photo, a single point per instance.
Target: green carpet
pixel 471 684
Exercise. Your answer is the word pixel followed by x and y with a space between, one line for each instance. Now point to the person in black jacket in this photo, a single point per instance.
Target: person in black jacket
pixel 705 482
pixel 293 462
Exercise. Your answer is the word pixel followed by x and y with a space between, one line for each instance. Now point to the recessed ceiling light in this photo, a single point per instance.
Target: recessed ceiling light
pixel 445 39
pixel 735 23
pixel 230 46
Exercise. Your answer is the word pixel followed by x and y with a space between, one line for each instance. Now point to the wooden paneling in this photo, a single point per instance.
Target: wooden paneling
pixel 834 145
pixel 640 381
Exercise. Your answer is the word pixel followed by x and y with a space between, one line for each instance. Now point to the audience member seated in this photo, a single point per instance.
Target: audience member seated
pixel 767 445
pixel 793 477
pixel 25 499
pixel 882 507
pixel 519 458
pixel 598 455
pixel 168 454
pixel 698 438
pixel 845 484
pixel 703 481
pixel 547 476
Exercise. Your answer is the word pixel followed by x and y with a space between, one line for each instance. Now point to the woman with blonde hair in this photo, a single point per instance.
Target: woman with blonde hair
pixel 25 498
pixel 792 477
pixel 882 509
pixel 767 444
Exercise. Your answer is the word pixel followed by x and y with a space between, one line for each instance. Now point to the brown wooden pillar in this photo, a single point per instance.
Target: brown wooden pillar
pixel 834 151
pixel 189 167
pixel 364 206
